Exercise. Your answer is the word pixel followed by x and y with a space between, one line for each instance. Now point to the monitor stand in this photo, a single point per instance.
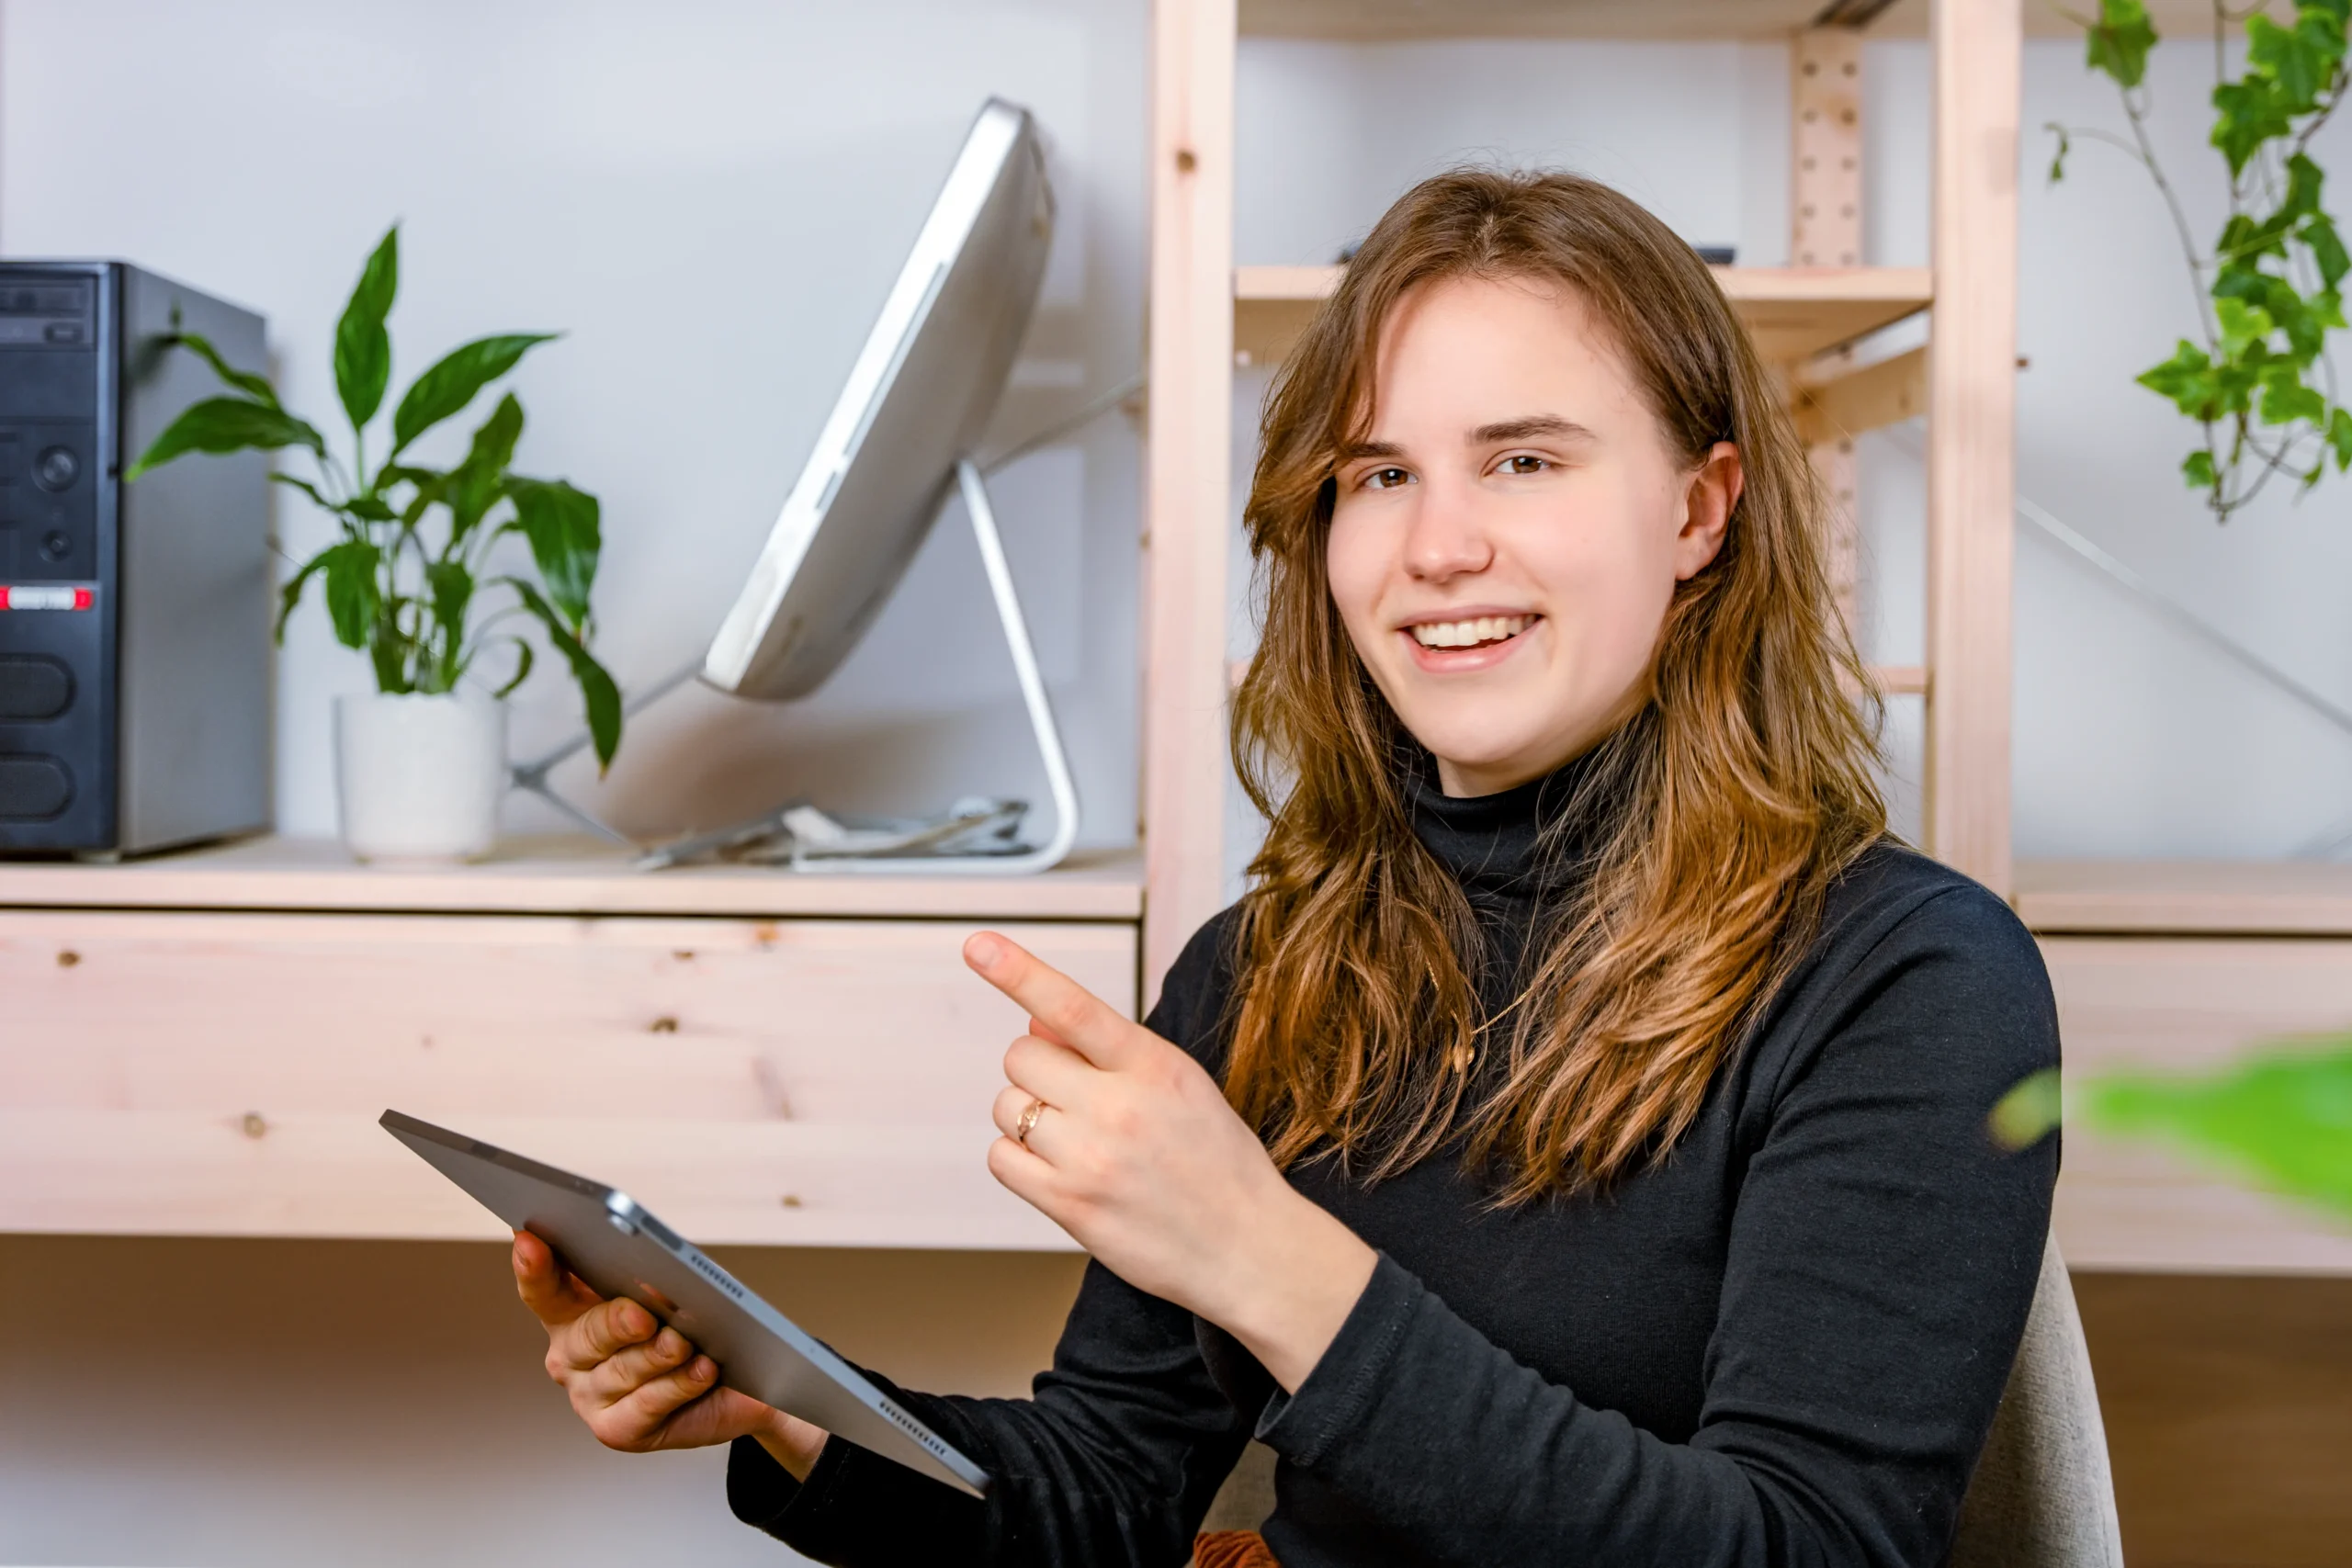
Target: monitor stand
pixel 533 777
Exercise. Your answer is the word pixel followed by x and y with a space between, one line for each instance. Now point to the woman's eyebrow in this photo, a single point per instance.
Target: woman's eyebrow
pixel 1527 427
pixel 1355 450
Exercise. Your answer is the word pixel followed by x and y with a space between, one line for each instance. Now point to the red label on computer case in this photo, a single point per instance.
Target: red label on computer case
pixel 48 596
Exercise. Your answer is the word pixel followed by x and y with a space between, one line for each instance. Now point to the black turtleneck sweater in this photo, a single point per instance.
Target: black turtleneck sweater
pixel 1784 1344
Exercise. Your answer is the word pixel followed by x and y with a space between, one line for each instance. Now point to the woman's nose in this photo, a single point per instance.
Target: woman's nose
pixel 1447 539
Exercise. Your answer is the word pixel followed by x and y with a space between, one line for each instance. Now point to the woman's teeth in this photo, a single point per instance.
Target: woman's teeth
pixel 1470 633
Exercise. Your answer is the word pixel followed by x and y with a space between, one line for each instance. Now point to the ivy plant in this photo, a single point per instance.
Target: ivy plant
pixel 2256 381
pixel 2281 1119
pixel 404 579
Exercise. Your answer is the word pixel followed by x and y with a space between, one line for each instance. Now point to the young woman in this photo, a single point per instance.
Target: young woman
pixel 1572 1148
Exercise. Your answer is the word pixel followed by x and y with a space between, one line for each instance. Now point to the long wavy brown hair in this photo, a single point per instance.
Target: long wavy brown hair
pixel 1733 796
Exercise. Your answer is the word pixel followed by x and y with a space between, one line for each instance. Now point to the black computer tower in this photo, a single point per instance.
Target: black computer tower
pixel 134 619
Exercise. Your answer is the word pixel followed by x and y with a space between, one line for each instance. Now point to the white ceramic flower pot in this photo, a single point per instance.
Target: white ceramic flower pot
pixel 420 778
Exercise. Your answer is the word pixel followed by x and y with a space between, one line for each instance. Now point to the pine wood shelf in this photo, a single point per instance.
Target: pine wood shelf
pixel 1679 21
pixel 2203 899
pixel 1793 313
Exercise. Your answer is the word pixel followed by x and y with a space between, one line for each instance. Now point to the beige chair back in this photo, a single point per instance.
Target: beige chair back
pixel 2043 1495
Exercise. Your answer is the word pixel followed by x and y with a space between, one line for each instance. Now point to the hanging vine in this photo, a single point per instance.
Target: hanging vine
pixel 2258 384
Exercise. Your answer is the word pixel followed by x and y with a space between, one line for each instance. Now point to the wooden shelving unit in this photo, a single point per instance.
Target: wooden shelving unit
pixel 1209 315
pixel 1793 313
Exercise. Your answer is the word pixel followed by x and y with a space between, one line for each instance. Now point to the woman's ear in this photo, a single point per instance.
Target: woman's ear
pixel 1707 502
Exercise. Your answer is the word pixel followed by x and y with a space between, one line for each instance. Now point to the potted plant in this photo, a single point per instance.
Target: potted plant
pixel 420 763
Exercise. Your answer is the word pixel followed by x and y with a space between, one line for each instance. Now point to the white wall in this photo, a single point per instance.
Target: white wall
pixel 710 198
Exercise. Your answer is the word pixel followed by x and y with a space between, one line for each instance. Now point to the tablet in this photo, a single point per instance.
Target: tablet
pixel 607 1239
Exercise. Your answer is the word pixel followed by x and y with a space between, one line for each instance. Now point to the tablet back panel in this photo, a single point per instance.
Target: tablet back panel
pixel 621 1250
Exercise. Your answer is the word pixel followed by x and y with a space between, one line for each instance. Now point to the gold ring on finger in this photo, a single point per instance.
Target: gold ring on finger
pixel 1028 1122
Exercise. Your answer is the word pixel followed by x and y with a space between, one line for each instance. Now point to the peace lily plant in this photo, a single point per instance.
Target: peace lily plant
pixel 411 578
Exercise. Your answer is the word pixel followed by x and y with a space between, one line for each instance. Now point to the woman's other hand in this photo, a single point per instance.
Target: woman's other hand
pixel 1138 1156
pixel 639 1386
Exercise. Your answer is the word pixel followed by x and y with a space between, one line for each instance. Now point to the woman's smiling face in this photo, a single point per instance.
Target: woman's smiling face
pixel 1506 541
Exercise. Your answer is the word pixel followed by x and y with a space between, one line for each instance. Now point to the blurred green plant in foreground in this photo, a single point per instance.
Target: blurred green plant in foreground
pixel 2281 1121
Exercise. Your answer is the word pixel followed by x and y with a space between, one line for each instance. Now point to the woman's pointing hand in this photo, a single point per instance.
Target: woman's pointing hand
pixel 1133 1150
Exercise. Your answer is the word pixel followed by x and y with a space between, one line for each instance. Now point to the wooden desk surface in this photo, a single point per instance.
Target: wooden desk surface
pixel 564 875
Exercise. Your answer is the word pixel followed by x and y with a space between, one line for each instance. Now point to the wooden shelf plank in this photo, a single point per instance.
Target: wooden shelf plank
pixel 566 876
pixel 1682 21
pixel 2187 897
pixel 1793 312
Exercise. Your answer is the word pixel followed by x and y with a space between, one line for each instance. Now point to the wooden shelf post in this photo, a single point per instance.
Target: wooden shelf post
pixel 1188 467
pixel 1972 428
pixel 1825 229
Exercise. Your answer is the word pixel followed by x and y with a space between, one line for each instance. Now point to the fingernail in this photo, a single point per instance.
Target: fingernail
pixel 703 1368
pixel 632 1320
pixel 984 950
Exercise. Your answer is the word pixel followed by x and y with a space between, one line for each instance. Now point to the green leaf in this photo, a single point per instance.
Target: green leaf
pixel 2242 324
pixel 370 508
pixel 2318 233
pixel 363 349
pixel 2287 58
pixel 450 385
pixel 254 386
pixel 2028 1113
pixel 451 588
pixel 2305 182
pixel 2187 378
pixel 2284 1119
pixel 522 669
pixel 2119 42
pixel 598 694
pixel 2286 401
pixel 402 474
pixel 352 601
pixel 2197 469
pixel 476 484
pixel 226 425
pixel 2243 240
pixel 292 594
pixel 2058 154
pixel 305 485
pixel 2339 438
pixel 2248 112
pixel 565 530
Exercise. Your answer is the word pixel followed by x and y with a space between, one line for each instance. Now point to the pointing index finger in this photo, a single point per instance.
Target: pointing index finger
pixel 1076 1016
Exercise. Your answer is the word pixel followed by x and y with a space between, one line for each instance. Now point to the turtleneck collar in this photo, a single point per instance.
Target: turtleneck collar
pixel 1496 845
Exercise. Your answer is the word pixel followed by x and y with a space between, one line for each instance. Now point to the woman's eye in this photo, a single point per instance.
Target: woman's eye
pixel 1524 463
pixel 1386 478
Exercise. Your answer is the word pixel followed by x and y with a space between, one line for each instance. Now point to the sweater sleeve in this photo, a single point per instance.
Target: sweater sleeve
pixel 1111 1464
pixel 1883 1256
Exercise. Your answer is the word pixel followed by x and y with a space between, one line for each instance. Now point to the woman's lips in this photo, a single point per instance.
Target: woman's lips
pixel 1461 661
